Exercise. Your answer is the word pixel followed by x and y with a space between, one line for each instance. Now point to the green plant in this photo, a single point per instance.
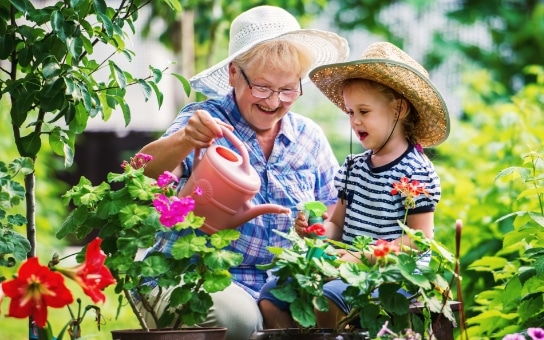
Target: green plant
pixel 382 285
pixel 52 77
pixel 516 302
pixel 54 82
pixel 128 218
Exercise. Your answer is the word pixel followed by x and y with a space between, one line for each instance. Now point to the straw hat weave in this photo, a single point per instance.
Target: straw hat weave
pixel 385 63
pixel 261 24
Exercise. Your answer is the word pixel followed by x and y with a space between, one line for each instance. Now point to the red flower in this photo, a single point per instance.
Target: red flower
pixel 382 248
pixel 316 228
pixel 410 190
pixel 34 289
pixel 92 275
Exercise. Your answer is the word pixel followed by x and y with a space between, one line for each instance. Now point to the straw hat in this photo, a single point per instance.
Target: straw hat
pixel 385 63
pixel 264 23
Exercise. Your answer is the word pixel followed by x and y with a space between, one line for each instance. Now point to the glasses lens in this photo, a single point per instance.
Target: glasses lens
pixel 289 96
pixel 261 92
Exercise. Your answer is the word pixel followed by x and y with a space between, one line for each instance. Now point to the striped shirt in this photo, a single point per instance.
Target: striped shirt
pixel 301 168
pixel 371 208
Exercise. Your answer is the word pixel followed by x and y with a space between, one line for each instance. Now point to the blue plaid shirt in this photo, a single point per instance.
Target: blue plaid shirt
pixel 301 168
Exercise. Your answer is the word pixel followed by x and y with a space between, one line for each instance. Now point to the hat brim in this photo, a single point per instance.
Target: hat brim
pixel 327 46
pixel 433 126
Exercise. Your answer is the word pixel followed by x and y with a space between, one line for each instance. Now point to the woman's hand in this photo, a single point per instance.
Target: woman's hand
pixel 202 129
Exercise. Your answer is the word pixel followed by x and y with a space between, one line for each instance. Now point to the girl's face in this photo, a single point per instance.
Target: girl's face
pixel 373 116
pixel 263 114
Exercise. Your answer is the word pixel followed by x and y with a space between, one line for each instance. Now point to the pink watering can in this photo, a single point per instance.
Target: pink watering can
pixel 228 183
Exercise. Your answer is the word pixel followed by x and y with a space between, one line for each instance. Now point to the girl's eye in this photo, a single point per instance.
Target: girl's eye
pixel 349 113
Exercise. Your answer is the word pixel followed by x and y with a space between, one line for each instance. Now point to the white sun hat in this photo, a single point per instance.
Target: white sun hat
pixel 261 24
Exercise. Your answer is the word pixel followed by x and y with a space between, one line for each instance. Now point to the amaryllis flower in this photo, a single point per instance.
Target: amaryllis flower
pixel 316 228
pixel 92 275
pixel 34 289
pixel 173 210
pixel 383 247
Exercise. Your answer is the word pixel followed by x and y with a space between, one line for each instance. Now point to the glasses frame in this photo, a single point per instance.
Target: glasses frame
pixel 251 86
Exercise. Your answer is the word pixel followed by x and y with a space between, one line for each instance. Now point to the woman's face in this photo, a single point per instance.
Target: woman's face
pixel 373 117
pixel 262 114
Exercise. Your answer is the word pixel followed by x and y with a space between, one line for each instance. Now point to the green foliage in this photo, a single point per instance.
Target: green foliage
pixel 302 275
pixel 477 165
pixel 515 303
pixel 127 221
pixel 54 81
pixel 514 29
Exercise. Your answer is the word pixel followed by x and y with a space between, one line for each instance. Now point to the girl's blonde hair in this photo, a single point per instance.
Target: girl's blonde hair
pixel 410 119
pixel 277 54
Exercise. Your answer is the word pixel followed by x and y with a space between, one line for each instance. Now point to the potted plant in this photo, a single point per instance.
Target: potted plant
pixel 127 219
pixel 302 278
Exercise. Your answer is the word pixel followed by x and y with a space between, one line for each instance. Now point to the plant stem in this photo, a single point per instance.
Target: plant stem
pixel 135 310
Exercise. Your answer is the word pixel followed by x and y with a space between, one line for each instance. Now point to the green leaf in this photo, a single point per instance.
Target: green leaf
pixel 24 165
pixel 303 313
pixel 57 23
pixel 157 74
pixel 488 263
pixel 184 82
pixel 224 237
pixel 146 89
pixel 106 22
pixel 154 265
pixel 217 280
pixel 56 142
pixel 75 46
pixel 186 246
pixel 222 259
pixel 118 74
pixel 29 145
pixel 158 93
pixel 100 6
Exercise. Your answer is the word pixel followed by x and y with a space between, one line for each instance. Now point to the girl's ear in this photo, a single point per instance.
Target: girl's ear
pixel 402 108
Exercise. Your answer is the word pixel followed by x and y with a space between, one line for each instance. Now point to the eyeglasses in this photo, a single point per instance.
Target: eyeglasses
pixel 265 93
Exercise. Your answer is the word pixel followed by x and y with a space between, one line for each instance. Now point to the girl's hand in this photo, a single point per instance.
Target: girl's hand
pixel 301 224
pixel 344 255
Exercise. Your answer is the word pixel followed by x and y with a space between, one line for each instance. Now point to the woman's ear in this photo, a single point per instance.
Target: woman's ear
pixel 232 72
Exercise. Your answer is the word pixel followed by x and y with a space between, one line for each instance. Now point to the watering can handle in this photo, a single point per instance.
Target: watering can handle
pixel 246 167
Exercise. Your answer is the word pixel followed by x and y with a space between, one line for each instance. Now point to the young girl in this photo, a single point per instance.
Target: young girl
pixel 394 111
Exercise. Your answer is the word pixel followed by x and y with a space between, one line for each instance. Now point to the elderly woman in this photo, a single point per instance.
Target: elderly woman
pixel 251 93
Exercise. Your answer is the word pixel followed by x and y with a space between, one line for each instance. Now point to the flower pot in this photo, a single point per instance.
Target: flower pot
pixel 195 333
pixel 307 334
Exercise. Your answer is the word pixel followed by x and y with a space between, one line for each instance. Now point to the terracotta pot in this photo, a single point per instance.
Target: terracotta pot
pixel 307 334
pixel 196 333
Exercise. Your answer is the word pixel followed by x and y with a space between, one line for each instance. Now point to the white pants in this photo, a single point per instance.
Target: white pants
pixel 232 308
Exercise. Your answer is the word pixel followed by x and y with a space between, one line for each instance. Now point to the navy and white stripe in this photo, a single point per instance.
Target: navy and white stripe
pixel 372 210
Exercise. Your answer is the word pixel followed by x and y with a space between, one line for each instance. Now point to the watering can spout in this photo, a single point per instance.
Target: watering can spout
pixel 250 212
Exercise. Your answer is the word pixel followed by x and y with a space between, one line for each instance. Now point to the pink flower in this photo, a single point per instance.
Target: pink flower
pixel 515 336
pixel 173 210
pixel 166 178
pixel 535 333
